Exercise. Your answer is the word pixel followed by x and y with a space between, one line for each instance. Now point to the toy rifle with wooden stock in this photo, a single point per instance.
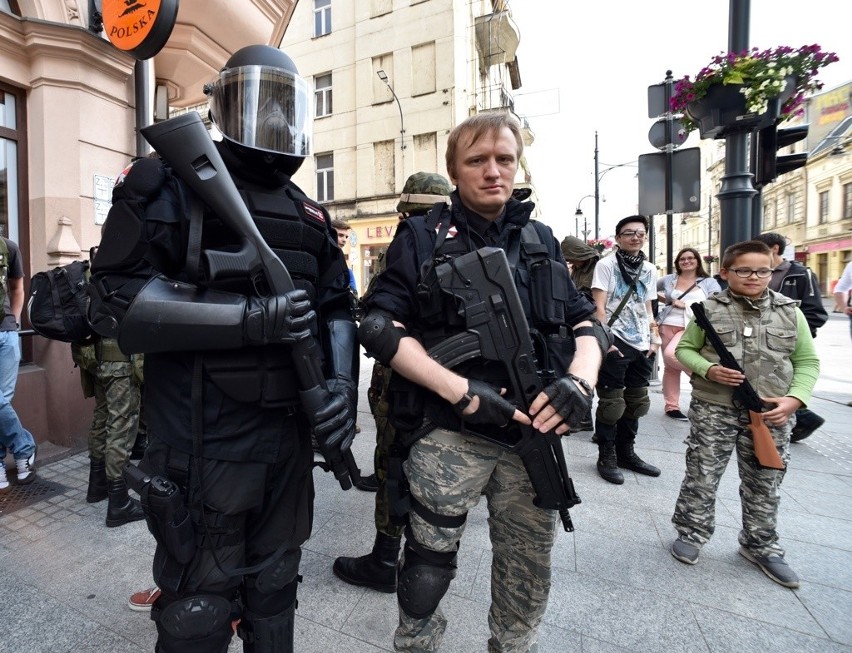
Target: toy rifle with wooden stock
pixel 496 330
pixel 186 146
pixel 744 395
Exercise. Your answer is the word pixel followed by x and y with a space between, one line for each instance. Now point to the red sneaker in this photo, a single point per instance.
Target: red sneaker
pixel 142 601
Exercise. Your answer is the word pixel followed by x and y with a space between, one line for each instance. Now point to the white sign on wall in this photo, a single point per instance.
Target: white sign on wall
pixel 102 197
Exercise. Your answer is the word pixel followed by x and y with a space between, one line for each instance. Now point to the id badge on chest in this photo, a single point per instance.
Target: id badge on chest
pixel 747 331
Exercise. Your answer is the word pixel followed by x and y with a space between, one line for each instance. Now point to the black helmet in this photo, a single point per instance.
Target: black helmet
pixel 262 107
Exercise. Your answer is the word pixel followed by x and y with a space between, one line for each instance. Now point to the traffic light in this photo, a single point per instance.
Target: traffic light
pixel 765 143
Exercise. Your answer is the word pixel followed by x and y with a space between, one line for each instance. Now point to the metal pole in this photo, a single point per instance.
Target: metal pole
pixel 669 151
pixel 737 190
pixel 143 85
pixel 597 193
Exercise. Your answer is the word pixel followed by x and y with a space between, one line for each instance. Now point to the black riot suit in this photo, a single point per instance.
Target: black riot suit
pixel 221 395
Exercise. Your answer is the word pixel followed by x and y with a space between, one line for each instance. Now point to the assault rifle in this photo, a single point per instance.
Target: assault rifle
pixel 482 284
pixel 186 145
pixel 744 395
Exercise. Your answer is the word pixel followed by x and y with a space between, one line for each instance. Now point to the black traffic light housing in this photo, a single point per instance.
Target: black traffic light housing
pixel 765 143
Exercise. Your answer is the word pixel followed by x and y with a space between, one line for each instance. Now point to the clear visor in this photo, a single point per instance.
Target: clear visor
pixel 263 108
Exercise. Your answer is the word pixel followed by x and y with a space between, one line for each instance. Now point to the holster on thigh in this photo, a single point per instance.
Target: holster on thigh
pixel 610 405
pixel 637 401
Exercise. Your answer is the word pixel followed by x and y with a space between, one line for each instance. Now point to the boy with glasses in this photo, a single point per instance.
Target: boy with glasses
pixel 622 288
pixel 769 337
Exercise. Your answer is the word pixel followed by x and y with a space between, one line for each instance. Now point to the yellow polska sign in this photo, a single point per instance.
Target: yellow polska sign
pixel 139 27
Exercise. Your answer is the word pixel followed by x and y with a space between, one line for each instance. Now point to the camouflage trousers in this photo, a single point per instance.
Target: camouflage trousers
pixel 385 435
pixel 448 473
pixel 715 432
pixel 116 416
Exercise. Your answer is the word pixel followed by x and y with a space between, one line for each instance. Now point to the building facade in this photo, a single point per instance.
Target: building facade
pixel 67 128
pixel 391 78
pixel 811 206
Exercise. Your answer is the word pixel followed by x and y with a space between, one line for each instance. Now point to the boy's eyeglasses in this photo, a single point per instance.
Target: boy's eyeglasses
pixel 633 234
pixel 745 273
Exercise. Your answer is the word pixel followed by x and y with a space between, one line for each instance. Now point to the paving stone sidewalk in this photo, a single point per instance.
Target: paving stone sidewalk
pixel 65 577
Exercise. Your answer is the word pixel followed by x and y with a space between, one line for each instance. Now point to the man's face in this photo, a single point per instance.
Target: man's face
pixel 631 238
pixel 751 286
pixel 484 172
pixel 342 237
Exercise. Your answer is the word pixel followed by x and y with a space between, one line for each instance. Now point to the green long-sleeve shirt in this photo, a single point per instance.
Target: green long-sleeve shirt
pixel 804 360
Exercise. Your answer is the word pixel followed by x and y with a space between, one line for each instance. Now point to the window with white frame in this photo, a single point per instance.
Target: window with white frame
pixel 322 17
pixel 423 66
pixel 322 95
pixel 325 177
pixel 847 200
pixel 823 207
pixel 791 208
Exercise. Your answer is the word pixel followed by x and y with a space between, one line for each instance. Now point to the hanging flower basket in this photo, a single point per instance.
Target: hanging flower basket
pixel 601 245
pixel 710 258
pixel 723 111
pixel 749 90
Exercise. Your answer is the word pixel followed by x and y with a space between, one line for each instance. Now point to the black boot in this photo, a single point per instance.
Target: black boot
pixel 376 570
pixel 97 490
pixel 607 467
pixel 121 509
pixel 807 422
pixel 628 459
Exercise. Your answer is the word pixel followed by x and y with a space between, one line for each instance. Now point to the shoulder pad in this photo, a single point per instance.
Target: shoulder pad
pixel 141 180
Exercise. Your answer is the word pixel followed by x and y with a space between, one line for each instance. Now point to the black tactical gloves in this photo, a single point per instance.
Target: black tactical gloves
pixel 283 318
pixel 569 401
pixel 493 409
pixel 334 428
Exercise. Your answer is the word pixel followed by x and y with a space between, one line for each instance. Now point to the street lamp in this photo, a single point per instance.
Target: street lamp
pixel 579 214
pixel 598 176
pixel 384 77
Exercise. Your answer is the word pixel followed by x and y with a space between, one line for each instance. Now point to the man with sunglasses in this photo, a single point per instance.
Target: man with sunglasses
pixel 623 286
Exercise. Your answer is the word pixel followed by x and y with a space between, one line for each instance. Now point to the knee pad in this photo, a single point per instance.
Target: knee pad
pixel 268 634
pixel 195 624
pixel 424 579
pixel 280 573
pixel 610 405
pixel 637 401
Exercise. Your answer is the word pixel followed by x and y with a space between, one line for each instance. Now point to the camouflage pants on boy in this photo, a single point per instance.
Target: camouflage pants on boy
pixel 715 432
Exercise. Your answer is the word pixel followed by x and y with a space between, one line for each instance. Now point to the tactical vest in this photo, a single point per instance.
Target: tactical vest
pixel 296 230
pixel 764 354
pixel 542 285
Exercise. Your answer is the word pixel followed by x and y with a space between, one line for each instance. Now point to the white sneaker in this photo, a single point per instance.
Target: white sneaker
pixel 26 468
pixel 4 482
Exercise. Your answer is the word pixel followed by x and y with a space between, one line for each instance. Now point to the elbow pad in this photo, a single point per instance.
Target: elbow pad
pixel 601 333
pixel 380 336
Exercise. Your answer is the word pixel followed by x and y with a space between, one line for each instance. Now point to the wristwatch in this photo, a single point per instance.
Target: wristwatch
pixel 582 383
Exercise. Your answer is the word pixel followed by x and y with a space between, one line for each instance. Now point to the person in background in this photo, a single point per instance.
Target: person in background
pixel 582 259
pixel 623 287
pixel 106 373
pixel 794 280
pixel 344 230
pixel 769 337
pixel 843 292
pixel 377 570
pixel 689 283
pixel 13 436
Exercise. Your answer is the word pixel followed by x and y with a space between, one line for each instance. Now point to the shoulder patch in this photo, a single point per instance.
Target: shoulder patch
pixel 314 212
pixel 119 181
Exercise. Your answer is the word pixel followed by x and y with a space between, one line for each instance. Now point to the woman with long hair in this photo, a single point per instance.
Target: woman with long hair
pixel 690 283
